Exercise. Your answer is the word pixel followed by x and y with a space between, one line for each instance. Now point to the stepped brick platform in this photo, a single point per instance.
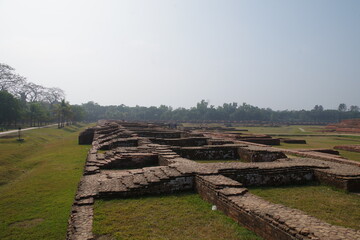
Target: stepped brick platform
pixel 150 168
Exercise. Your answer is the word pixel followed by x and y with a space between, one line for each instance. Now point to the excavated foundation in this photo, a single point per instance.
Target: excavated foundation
pixel 149 159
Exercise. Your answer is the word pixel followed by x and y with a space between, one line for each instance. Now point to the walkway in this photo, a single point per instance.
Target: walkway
pixel 25 129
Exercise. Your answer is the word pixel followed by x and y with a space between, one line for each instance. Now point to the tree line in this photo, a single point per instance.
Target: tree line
pixel 24 103
pixel 203 112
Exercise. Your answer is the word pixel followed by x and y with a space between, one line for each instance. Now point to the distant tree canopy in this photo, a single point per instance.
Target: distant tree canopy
pixel 227 112
pixel 26 103
pixel 30 104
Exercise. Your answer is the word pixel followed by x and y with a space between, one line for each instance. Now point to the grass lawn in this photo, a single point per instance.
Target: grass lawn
pixel 326 203
pixel 327 142
pixel 291 129
pixel 38 180
pixel 178 216
pixel 319 140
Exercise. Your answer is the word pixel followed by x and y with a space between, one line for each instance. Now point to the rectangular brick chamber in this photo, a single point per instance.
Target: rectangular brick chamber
pixel 159 134
pixel 218 152
pixel 259 154
pixel 265 141
pixel 182 142
pixel 153 187
pixel 351 184
pixel 120 142
pixel 293 141
pixel 271 177
pixel 133 161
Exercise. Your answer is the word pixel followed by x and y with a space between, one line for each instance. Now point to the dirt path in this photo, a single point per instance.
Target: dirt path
pixel 25 129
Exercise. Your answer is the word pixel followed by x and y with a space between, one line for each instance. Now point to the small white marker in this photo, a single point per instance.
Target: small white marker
pixel 214 208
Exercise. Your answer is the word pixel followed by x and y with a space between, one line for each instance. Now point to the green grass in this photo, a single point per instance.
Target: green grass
pixel 178 216
pixel 292 129
pixel 326 203
pixel 327 142
pixel 38 182
pixel 318 140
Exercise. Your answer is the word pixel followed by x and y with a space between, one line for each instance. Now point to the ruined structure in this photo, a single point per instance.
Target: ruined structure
pixel 351 148
pixel 348 125
pixel 144 159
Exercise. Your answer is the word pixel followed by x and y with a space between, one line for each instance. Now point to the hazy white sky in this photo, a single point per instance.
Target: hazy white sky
pixel 282 54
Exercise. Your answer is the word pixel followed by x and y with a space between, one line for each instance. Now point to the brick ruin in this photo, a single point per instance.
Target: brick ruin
pixel 136 159
pixel 347 126
pixel 351 148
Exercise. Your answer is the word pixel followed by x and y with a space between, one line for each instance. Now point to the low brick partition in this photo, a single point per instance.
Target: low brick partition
pixel 293 141
pixel 242 136
pixel 259 138
pixel 259 154
pixel 293 175
pixel 210 152
pixel 268 220
pixel 158 134
pixel 182 142
pixel 119 142
pixel 219 142
pixel 351 148
pixel 131 160
pixel 265 141
pixel 321 150
pixel 341 176
pixel 87 136
pixel 319 155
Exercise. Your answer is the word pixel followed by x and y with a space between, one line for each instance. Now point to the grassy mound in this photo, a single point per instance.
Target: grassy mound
pixel 38 180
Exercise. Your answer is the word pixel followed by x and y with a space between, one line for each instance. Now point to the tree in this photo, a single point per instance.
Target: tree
pixel 37 114
pixel 63 113
pixel 318 108
pixel 94 111
pixel 53 95
pixel 35 92
pixel 78 113
pixel 66 113
pixel 9 108
pixel 354 108
pixel 8 78
pixel 342 107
